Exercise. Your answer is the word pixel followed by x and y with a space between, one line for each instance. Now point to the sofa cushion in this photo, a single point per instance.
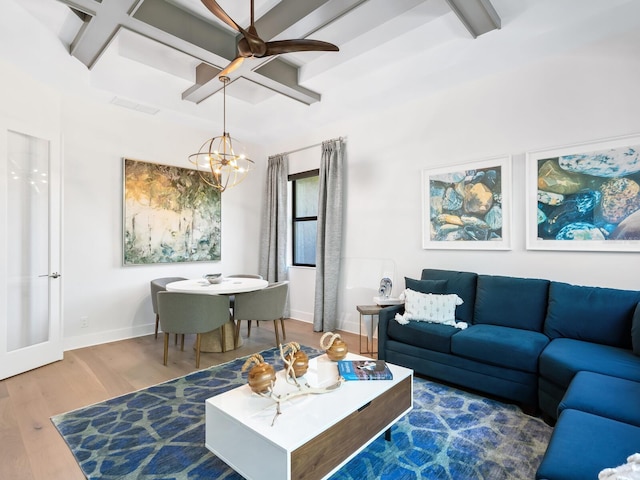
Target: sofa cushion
pixel 635 330
pixel 592 314
pixel 583 444
pixel 604 395
pixel 431 336
pixel 564 357
pixel 502 346
pixel 461 283
pixel 511 302
pixel 426 286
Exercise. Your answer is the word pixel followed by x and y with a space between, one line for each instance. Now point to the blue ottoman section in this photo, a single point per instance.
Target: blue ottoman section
pixel 583 444
pixel 610 397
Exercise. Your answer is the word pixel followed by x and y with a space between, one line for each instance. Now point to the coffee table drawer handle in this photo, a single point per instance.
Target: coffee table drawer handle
pixel 364 406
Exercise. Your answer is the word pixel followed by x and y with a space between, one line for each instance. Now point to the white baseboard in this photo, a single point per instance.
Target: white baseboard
pixel 307 317
pixel 81 341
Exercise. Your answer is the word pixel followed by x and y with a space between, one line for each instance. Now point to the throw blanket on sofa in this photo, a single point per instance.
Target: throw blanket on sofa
pixel 628 471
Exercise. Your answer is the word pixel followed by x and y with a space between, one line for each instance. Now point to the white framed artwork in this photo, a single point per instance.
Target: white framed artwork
pixel 467 206
pixel 585 197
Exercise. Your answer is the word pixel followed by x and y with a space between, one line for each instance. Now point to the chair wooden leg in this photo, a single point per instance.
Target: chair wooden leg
pixel 176 340
pixel 275 327
pixel 284 334
pixel 157 323
pixel 248 328
pixel 166 347
pixel 223 338
pixel 198 338
pixel 182 343
pixel 236 335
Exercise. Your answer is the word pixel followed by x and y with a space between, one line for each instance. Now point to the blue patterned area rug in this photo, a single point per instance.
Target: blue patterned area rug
pixel 158 433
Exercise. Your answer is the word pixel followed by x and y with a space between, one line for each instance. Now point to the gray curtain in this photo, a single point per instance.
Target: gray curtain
pixel 273 236
pixel 329 238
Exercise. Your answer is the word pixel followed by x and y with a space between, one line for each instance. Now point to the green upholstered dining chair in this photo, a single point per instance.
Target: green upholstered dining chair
pixel 262 305
pixel 188 313
pixel 232 298
pixel 160 285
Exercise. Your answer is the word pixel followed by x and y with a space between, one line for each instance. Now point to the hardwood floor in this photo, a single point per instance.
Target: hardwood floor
pixel 32 449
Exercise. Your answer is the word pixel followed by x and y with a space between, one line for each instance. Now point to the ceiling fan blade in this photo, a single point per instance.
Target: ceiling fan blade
pixel 217 10
pixel 254 43
pixel 231 67
pixel 303 45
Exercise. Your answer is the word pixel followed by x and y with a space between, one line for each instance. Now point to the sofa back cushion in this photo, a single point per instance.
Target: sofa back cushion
pixel 461 283
pixel 593 314
pixel 511 302
pixel 426 286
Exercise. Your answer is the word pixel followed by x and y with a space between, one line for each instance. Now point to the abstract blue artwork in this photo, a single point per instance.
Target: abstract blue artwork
pixel 585 197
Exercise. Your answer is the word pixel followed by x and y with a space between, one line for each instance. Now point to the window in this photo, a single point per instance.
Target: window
pixel 304 192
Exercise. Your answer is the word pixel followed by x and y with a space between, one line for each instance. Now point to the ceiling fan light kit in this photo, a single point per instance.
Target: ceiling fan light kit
pixel 218 162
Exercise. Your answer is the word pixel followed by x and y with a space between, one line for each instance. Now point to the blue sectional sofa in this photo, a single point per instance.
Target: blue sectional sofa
pixel 528 341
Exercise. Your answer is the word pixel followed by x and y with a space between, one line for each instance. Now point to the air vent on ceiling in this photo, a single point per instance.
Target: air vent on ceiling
pixel 121 102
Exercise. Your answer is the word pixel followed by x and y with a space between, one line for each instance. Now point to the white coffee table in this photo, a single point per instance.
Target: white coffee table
pixel 315 434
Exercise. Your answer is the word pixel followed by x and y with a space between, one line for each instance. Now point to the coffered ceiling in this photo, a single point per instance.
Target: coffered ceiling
pixel 165 55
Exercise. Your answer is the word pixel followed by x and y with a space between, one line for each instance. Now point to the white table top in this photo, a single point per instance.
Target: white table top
pixel 304 417
pixel 228 286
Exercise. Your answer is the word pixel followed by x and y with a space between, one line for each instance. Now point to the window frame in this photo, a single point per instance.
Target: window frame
pixel 294 219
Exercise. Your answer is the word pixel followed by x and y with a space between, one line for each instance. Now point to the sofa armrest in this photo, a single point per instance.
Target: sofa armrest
pixel 386 315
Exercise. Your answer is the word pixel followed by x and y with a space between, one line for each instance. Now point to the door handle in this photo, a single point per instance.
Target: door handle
pixel 53 275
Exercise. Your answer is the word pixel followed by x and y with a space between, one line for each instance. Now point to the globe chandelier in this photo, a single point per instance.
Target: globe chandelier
pixel 218 161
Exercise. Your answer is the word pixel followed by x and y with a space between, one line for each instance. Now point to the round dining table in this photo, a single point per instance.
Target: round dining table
pixel 212 341
pixel 228 286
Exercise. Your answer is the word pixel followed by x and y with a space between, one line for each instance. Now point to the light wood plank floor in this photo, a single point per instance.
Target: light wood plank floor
pixel 31 447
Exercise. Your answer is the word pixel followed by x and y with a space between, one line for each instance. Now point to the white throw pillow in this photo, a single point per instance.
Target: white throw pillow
pixel 429 307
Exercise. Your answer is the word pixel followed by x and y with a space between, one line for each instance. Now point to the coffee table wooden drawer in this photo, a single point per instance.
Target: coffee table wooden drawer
pixel 318 457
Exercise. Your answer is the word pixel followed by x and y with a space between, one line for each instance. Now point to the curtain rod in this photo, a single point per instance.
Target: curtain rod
pixel 308 147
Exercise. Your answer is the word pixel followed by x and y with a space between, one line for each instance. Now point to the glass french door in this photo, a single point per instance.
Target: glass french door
pixel 30 317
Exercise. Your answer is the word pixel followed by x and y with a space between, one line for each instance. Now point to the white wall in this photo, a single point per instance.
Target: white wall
pixel 116 298
pixel 577 96
pixel 581 96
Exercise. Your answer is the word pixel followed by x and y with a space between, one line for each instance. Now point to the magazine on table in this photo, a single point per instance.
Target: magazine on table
pixel 364 370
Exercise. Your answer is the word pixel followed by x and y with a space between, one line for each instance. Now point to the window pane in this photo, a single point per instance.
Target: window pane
pixel 304 251
pixel 307 197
